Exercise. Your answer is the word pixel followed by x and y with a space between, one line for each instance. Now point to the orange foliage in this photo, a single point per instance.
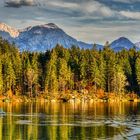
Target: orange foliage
pixel 100 94
pixel 88 87
pixel 132 95
pixel 111 95
pixel 9 93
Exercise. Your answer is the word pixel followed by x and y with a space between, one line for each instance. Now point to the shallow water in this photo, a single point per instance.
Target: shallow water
pixel 67 121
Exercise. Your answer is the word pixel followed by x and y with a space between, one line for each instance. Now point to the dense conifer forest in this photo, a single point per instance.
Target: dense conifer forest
pixel 72 70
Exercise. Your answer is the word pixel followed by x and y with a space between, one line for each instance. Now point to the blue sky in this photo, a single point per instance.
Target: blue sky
pixel 87 20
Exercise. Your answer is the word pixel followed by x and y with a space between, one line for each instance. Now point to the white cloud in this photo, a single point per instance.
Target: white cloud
pixel 102 32
pixel 61 4
pixel 85 8
pixel 90 9
pixel 129 14
pixel 94 7
pixel 126 1
pixel 82 19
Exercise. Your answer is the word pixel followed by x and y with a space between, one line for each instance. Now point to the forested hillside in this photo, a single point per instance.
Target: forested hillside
pixel 71 70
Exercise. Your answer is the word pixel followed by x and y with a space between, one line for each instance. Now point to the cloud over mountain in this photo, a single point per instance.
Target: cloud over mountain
pixel 78 15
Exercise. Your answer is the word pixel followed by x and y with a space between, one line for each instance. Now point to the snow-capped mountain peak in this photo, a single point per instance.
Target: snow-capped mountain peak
pixel 45 37
pixel 12 32
pixel 40 37
pixel 45 26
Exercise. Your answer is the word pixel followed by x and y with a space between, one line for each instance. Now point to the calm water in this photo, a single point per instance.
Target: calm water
pixel 65 121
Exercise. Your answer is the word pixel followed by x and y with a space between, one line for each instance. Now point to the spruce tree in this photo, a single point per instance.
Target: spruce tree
pixel 1 78
pixel 64 74
pixel 119 81
pixel 138 72
pixel 51 74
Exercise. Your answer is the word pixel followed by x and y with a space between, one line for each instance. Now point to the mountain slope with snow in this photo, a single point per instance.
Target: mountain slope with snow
pixel 40 38
pixel 7 29
pixel 47 36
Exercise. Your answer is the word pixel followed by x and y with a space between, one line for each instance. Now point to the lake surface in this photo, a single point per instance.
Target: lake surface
pixel 67 121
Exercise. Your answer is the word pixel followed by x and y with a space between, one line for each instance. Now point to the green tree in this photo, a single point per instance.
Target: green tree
pixel 119 81
pixel 92 71
pixel 9 79
pixel 138 71
pixel 64 74
pixel 51 74
pixel 110 63
pixel 1 78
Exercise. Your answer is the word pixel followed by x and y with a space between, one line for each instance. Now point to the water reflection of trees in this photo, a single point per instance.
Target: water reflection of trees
pixel 59 121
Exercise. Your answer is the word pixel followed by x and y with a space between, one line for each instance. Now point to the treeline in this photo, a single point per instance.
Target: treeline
pixel 74 69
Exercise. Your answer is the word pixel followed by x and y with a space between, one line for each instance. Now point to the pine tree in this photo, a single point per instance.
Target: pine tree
pixel 138 72
pixel 93 73
pixel 30 75
pixel 119 81
pixel 51 74
pixel 9 78
pixel 1 78
pixel 35 72
pixel 110 63
pixel 101 65
pixel 82 70
pixel 132 56
pixel 75 54
pixel 64 74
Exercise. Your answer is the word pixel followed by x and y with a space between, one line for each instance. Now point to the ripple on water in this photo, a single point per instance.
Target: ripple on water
pixel 22 122
pixel 128 128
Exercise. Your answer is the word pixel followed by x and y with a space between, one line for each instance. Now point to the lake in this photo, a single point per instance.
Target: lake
pixel 70 121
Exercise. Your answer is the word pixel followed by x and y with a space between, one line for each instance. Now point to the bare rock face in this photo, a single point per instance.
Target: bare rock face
pixel 12 32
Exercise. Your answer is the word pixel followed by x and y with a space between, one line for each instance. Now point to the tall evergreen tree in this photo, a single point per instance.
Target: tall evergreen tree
pixel 1 78
pixel 64 74
pixel 119 81
pixel 138 72
pixel 8 75
pixel 110 64
pixel 51 74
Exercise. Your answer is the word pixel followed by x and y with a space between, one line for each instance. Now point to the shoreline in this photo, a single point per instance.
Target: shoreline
pixel 24 99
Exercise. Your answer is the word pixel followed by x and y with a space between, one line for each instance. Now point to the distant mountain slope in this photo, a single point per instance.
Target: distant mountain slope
pixel 45 37
pixel 121 43
pixel 6 35
pixel 137 45
pixel 40 38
